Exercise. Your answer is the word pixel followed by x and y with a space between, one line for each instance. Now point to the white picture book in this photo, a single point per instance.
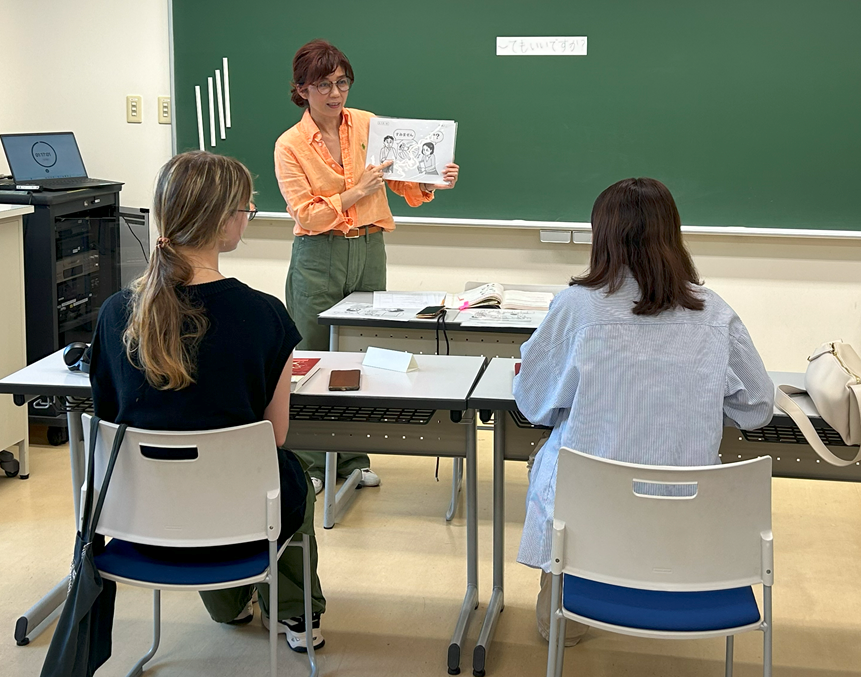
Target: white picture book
pixel 418 149
pixel 494 295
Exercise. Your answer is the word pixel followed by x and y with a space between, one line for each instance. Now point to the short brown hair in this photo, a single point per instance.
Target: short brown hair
pixel 313 62
pixel 636 227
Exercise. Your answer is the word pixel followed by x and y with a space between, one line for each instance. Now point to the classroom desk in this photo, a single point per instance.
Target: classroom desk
pixel 421 337
pixel 422 412
pixel 514 439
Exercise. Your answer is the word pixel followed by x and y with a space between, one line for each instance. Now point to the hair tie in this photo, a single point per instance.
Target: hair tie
pixel 162 242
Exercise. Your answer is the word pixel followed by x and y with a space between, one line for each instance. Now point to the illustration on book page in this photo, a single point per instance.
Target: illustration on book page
pixel 418 149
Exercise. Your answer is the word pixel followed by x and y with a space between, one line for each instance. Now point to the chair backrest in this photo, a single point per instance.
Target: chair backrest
pixel 187 489
pixel 714 533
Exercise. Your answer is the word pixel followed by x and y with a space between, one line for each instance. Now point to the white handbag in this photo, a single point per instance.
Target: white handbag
pixel 833 381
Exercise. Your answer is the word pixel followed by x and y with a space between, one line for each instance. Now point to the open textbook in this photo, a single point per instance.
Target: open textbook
pixel 494 295
pixel 418 149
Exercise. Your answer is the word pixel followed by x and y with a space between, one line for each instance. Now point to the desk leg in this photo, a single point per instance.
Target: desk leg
pixel 24 459
pixel 470 600
pixel 46 606
pixel 497 603
pixel 336 502
pixel 39 612
pixel 334 338
pixel 456 483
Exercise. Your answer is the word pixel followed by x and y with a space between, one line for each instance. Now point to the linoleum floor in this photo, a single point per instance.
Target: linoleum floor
pixel 394 574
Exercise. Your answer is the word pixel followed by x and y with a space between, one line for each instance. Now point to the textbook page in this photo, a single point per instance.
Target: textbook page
pixel 493 317
pixel 514 299
pixel 359 311
pixel 486 295
pixel 418 149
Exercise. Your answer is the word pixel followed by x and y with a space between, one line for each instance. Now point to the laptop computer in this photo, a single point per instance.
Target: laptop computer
pixel 48 161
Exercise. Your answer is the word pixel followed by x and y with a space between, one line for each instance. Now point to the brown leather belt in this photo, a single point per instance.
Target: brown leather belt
pixel 353 233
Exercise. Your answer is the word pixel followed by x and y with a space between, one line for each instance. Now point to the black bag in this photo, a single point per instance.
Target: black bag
pixel 82 639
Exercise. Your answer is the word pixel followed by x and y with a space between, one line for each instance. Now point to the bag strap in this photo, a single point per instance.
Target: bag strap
pixel 87 508
pixel 789 406
pixel 115 450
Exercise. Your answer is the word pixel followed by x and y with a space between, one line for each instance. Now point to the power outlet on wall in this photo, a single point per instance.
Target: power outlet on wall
pixel 164 110
pixel 134 109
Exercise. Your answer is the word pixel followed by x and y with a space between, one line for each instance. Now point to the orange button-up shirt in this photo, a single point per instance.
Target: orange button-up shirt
pixel 312 182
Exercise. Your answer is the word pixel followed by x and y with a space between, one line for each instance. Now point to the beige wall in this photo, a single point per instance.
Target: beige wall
pixel 68 66
pixel 791 293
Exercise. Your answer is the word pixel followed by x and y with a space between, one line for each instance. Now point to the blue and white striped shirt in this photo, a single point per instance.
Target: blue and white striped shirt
pixel 654 390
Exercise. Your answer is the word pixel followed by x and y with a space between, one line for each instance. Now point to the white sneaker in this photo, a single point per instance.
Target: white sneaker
pixel 294 629
pixel 369 478
pixel 318 485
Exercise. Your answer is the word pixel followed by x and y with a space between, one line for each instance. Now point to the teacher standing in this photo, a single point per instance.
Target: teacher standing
pixel 340 208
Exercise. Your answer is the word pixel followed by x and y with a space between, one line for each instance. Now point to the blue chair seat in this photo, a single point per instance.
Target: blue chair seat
pixel 656 610
pixel 183 566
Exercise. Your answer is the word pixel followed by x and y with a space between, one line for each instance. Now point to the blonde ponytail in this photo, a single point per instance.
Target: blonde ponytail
pixel 197 193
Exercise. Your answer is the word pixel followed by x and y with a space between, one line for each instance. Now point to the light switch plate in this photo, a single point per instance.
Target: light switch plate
pixel 134 110
pixel 164 110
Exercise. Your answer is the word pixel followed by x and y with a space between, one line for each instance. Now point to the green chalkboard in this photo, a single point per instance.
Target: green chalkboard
pixel 749 110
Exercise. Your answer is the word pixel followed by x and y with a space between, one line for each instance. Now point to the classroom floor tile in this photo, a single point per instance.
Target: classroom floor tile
pixel 393 572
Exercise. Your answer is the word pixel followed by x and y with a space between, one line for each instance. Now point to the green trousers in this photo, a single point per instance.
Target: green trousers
pixel 324 269
pixel 225 605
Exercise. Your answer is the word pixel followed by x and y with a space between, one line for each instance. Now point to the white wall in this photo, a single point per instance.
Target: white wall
pixel 71 66
pixel 68 66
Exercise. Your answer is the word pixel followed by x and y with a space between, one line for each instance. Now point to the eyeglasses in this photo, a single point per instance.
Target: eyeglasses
pixel 325 86
pixel 251 213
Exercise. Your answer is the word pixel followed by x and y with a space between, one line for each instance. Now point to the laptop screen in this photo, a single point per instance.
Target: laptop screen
pixel 43 156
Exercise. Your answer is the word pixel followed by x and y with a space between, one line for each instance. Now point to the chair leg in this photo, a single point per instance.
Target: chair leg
pixel 553 649
pixel 766 633
pixel 273 609
pixel 560 644
pixel 137 670
pixel 306 585
pixel 730 640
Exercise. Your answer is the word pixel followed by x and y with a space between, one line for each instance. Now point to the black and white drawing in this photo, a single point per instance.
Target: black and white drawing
pixel 418 149
pixel 388 153
pixel 427 161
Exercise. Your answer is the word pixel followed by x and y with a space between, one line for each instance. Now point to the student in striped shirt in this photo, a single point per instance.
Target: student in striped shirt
pixel 636 361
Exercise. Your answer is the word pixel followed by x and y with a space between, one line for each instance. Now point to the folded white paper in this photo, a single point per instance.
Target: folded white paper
pixel 394 360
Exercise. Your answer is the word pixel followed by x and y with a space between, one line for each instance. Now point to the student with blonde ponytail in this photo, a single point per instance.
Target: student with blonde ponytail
pixel 185 348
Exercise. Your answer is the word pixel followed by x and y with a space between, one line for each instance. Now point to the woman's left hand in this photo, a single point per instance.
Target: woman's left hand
pixel 449 175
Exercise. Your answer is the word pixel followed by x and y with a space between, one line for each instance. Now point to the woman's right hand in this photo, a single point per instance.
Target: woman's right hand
pixel 372 179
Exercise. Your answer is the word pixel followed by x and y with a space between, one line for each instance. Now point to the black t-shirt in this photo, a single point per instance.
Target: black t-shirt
pixel 239 361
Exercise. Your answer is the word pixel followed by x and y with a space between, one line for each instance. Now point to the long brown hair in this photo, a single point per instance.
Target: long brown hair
pixel 636 227
pixel 314 61
pixel 196 194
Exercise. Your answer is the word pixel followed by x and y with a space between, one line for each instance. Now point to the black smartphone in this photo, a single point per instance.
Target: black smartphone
pixel 430 312
pixel 345 379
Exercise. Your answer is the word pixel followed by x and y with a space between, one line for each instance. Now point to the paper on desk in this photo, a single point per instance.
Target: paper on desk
pixel 394 360
pixel 492 317
pixel 408 299
pixel 367 311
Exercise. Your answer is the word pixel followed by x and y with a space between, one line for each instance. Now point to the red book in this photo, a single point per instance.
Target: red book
pixel 516 368
pixel 303 369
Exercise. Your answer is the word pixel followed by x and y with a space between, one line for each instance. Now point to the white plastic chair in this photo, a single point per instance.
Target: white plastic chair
pixel 676 566
pixel 188 490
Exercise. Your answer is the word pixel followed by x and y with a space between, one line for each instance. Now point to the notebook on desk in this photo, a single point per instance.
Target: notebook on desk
pixel 49 161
